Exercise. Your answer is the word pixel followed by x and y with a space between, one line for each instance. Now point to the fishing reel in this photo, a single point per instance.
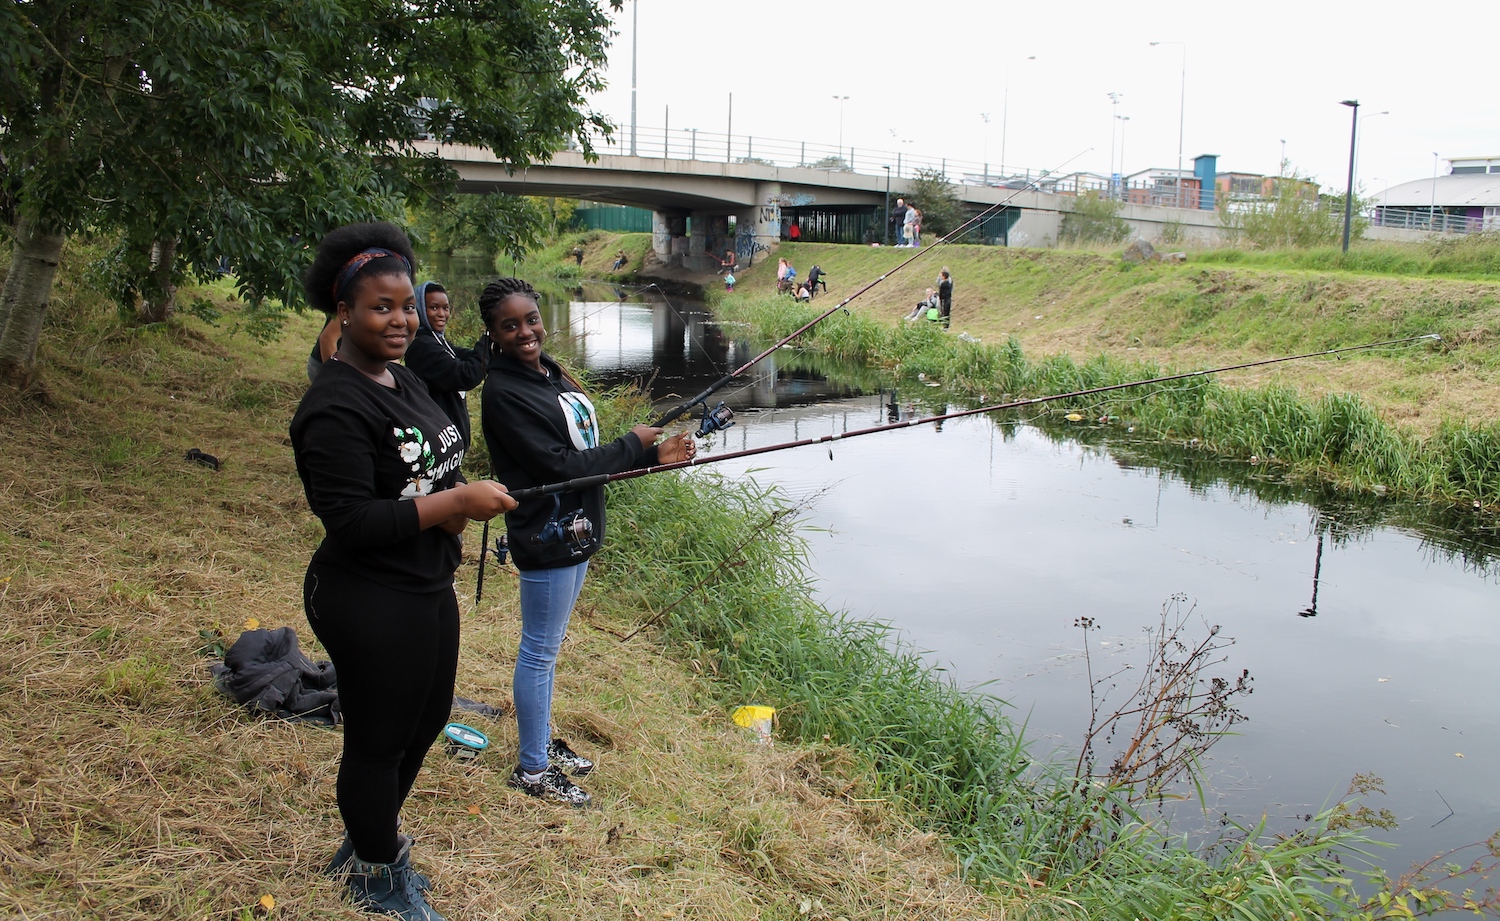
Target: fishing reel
pixel 501 549
pixel 713 420
pixel 573 530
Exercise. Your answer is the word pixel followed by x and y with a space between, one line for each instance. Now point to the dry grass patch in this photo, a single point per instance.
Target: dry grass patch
pixel 129 788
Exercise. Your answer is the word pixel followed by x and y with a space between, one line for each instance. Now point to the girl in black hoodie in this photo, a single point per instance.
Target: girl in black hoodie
pixel 450 371
pixel 540 428
pixel 379 461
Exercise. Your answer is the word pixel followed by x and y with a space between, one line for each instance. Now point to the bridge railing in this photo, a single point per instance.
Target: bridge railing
pixel 716 146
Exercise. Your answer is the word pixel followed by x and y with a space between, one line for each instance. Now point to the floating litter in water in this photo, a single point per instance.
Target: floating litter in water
pixel 1074 417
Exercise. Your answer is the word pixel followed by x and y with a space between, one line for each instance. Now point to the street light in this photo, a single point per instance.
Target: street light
pixel 841 101
pixel 1353 105
pixel 1432 207
pixel 1005 114
pixel 885 235
pixel 1281 170
pixel 1114 100
pixel 1181 115
pixel 1123 119
pixel 1362 137
pixel 635 31
pixel 985 116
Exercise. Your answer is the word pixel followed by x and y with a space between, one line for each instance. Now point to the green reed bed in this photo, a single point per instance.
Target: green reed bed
pixel 1338 438
pixel 727 577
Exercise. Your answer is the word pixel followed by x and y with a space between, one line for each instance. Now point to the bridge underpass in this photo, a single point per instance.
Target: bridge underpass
pixel 692 201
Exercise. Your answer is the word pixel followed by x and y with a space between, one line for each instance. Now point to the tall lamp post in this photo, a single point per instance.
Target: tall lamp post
pixel 1005 114
pixel 635 31
pixel 841 101
pixel 1362 137
pixel 885 235
pixel 1353 105
pixel 985 117
pixel 1181 114
pixel 1114 100
pixel 1432 204
pixel 1124 119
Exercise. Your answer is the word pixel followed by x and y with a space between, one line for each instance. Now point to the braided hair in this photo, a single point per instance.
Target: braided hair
pixel 497 291
pixel 340 246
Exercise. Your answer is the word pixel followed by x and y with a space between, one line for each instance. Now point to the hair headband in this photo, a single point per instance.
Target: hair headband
pixel 360 260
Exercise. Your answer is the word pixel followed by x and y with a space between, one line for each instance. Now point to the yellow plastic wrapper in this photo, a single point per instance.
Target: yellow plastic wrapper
pixel 756 718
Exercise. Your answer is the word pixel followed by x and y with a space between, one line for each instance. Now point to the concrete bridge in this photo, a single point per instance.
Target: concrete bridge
pixel 693 200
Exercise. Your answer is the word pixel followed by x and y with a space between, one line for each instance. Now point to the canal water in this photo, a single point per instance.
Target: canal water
pixel 1370 629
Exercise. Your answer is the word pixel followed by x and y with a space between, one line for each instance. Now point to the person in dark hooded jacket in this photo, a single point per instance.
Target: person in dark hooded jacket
pixel 540 428
pixel 450 371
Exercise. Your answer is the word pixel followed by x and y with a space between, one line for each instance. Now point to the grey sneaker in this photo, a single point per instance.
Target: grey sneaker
pixel 560 756
pixel 390 888
pixel 553 787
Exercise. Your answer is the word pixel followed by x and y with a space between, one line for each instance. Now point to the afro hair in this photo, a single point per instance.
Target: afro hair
pixel 343 244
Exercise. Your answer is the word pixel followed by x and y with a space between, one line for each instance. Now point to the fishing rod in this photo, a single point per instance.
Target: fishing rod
pixel 589 482
pixel 719 417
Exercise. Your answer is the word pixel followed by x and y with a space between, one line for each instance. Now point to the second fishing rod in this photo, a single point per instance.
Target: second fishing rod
pixel 590 482
pixel 718 417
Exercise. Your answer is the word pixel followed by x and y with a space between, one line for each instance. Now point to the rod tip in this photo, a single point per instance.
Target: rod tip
pixel 1435 336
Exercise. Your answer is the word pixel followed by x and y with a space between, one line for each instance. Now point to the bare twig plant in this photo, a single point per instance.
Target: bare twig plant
pixel 1176 712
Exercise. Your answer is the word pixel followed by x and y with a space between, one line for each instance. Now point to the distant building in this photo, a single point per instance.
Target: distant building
pixel 1466 199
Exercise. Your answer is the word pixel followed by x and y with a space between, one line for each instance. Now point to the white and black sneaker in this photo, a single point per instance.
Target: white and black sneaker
pixel 553 787
pixel 560 756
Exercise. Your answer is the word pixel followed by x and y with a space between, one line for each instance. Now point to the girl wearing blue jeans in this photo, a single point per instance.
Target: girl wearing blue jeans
pixel 540 428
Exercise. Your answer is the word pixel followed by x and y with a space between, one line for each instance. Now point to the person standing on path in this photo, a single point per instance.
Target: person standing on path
pixel 541 428
pixel 945 295
pixel 450 371
pixel 913 227
pixel 898 218
pixel 379 463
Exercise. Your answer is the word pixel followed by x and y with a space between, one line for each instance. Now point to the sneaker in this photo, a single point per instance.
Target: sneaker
pixel 553 786
pixel 390 888
pixel 345 853
pixel 560 756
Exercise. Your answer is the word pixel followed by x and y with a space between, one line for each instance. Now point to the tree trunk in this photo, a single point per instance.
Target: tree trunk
pixel 23 300
pixel 159 294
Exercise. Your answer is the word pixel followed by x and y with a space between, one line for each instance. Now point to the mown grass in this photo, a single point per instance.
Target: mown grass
pixel 1336 437
pixel 1472 256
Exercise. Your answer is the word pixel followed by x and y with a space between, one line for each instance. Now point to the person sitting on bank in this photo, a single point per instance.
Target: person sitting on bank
pixel 620 260
pixel 928 303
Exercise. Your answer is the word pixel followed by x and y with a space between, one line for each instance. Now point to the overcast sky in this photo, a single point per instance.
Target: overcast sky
pixel 923 72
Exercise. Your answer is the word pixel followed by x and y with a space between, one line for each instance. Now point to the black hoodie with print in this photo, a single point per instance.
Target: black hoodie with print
pixel 541 429
pixel 363 452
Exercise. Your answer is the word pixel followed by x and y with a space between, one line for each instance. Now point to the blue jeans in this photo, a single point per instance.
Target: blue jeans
pixel 547 598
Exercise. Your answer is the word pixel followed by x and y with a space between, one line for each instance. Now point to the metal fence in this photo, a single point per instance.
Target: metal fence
pixel 1433 220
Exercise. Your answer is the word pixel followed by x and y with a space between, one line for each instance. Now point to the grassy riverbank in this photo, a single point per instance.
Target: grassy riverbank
pixel 1220 308
pixel 136 791
pixel 1405 431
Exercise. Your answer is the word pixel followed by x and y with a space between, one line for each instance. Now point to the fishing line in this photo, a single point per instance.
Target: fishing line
pixel 679 410
pixel 589 482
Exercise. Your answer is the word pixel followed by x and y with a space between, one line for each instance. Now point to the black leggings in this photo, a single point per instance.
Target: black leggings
pixel 396 655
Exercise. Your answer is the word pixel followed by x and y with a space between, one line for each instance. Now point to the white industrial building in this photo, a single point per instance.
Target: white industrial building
pixel 1466 199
